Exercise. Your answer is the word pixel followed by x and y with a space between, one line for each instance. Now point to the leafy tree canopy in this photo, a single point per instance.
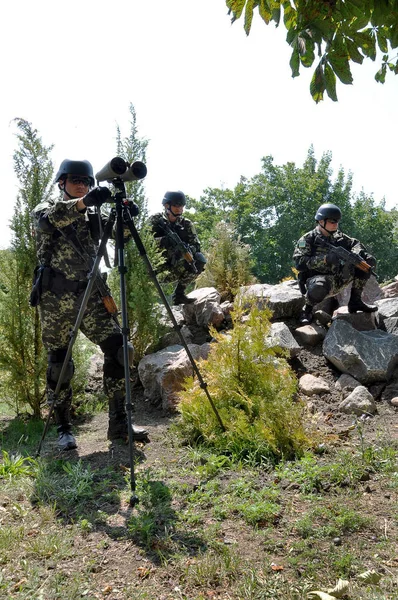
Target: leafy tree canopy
pixel 337 32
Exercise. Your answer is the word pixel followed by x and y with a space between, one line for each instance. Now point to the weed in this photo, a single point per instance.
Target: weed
pixel 15 465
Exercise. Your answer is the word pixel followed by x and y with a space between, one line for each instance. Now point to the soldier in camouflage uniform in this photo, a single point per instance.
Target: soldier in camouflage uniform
pixel 63 271
pixel 178 268
pixel 322 274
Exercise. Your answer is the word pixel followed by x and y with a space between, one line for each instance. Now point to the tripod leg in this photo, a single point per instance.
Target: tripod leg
pixel 141 249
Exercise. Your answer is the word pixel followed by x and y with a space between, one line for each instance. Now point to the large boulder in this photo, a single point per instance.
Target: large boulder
pixel 284 299
pixel 206 309
pixel 368 356
pixel 162 373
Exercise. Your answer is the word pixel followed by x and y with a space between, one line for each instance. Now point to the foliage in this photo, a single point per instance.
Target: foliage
pixel 21 351
pixel 15 465
pixel 142 298
pixel 228 263
pixel 252 388
pixel 274 208
pixel 338 31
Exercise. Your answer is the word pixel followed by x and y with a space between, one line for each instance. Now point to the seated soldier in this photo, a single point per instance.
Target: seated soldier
pixel 322 273
pixel 182 266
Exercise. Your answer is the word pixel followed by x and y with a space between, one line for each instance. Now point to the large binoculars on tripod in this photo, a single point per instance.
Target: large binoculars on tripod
pixel 118 169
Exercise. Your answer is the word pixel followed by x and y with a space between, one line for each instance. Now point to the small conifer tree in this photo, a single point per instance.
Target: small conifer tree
pixel 144 309
pixel 228 263
pixel 253 389
pixel 21 352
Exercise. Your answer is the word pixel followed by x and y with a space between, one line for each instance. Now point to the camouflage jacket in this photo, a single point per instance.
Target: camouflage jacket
pixel 54 250
pixel 183 227
pixel 309 254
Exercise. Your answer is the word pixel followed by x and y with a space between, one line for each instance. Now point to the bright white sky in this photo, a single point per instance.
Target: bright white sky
pixel 211 101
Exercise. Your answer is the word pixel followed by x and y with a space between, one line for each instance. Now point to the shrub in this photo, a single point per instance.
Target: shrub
pixel 253 389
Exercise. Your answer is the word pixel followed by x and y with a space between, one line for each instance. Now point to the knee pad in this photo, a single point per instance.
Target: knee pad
pixel 317 289
pixel 54 368
pixel 112 348
pixel 200 261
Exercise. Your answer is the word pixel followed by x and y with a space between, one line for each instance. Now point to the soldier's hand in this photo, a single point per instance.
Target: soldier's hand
pixel 97 196
pixel 332 259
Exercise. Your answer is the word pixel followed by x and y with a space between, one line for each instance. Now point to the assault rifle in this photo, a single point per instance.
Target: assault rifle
pixel 348 257
pixel 180 245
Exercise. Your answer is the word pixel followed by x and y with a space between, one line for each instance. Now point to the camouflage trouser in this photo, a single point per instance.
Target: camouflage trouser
pixel 320 287
pixel 178 271
pixel 58 316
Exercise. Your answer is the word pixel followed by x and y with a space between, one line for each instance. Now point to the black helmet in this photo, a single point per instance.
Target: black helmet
pixel 174 198
pixel 328 211
pixel 75 167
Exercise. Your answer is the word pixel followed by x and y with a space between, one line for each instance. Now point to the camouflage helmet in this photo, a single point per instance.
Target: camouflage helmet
pixel 75 167
pixel 328 211
pixel 174 198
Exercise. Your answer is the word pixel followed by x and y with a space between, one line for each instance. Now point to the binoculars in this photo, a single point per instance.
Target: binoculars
pixel 118 169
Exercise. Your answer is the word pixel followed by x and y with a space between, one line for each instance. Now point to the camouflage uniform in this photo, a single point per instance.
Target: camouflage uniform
pixel 319 280
pixel 178 268
pixel 65 278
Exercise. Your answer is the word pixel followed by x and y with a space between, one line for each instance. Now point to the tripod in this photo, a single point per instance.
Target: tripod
pixel 121 212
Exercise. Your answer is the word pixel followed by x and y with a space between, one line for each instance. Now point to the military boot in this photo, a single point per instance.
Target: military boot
pixel 179 296
pixel 356 303
pixel 306 315
pixel 66 440
pixel 117 428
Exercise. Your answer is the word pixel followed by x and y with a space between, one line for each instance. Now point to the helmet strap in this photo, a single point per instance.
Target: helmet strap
pixel 325 228
pixel 178 216
pixel 63 188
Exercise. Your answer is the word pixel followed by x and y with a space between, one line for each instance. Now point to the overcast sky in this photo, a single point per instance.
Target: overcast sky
pixel 211 101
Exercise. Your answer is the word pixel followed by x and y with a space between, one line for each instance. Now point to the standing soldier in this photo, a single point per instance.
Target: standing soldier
pixel 323 274
pixel 67 233
pixel 177 236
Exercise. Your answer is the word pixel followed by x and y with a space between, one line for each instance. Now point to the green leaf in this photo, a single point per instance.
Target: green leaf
pixel 264 11
pixel 318 84
pixel 382 39
pixel 353 52
pixel 308 57
pixel 289 15
pixel 248 16
pixel 381 74
pixel 236 7
pixel 366 40
pixel 295 63
pixel 341 67
pixel 330 81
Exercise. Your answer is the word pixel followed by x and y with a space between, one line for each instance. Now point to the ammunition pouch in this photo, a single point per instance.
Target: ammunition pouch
pixel 48 279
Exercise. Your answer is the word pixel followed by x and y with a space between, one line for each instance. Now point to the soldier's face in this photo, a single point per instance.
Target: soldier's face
pixel 77 185
pixel 330 224
pixel 173 212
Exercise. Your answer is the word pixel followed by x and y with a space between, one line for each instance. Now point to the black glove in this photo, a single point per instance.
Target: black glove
pixel 97 196
pixel 133 208
pixel 332 259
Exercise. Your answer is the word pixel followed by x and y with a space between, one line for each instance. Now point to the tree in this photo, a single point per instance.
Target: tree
pixel 274 208
pixel 142 298
pixel 228 263
pixel 338 31
pixel 21 353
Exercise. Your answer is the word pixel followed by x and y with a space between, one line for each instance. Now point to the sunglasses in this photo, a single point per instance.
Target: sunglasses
pixel 332 221
pixel 76 179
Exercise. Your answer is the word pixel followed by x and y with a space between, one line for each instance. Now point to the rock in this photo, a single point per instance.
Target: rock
pixel 369 356
pixel 281 336
pixel 310 335
pixel 346 383
pixel 390 290
pixel 284 300
pixel 206 309
pixel 171 338
pixel 394 401
pixel 311 385
pixel 359 402
pixel 162 373
pixel 361 321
